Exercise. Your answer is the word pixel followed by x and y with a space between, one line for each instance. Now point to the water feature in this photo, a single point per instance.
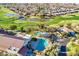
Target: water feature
pixel 40 44
pixel 10 14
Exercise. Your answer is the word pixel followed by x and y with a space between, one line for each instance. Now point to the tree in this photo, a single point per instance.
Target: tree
pixel 73 48
pixel 53 50
pixel 22 29
pixel 13 27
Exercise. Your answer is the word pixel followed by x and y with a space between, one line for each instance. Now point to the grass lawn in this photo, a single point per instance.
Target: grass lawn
pixel 6 21
pixel 70 18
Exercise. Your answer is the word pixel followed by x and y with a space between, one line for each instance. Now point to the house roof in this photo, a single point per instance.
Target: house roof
pixel 23 51
pixel 8 41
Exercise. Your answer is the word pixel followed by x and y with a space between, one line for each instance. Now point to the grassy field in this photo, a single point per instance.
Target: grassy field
pixel 6 21
pixel 65 19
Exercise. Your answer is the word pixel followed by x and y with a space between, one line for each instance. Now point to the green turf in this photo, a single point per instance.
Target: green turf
pixel 6 21
pixel 72 18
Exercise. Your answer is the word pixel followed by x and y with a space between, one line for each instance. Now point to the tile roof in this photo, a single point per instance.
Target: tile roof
pixel 9 41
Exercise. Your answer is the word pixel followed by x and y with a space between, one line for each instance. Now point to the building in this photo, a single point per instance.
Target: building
pixel 11 43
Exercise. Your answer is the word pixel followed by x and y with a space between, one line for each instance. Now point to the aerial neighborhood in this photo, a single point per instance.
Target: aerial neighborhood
pixel 39 29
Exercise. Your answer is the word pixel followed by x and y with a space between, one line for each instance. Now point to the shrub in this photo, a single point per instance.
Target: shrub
pixel 13 27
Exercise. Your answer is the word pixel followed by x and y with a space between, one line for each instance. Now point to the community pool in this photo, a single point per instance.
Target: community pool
pixel 40 44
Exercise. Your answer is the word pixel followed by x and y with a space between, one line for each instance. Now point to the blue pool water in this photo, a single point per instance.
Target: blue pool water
pixel 40 46
pixel 37 33
pixel 9 14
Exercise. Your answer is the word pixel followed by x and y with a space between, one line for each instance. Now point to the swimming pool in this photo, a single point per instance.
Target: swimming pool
pixel 37 33
pixel 40 44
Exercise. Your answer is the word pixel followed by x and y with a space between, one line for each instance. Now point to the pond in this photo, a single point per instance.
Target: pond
pixel 10 15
